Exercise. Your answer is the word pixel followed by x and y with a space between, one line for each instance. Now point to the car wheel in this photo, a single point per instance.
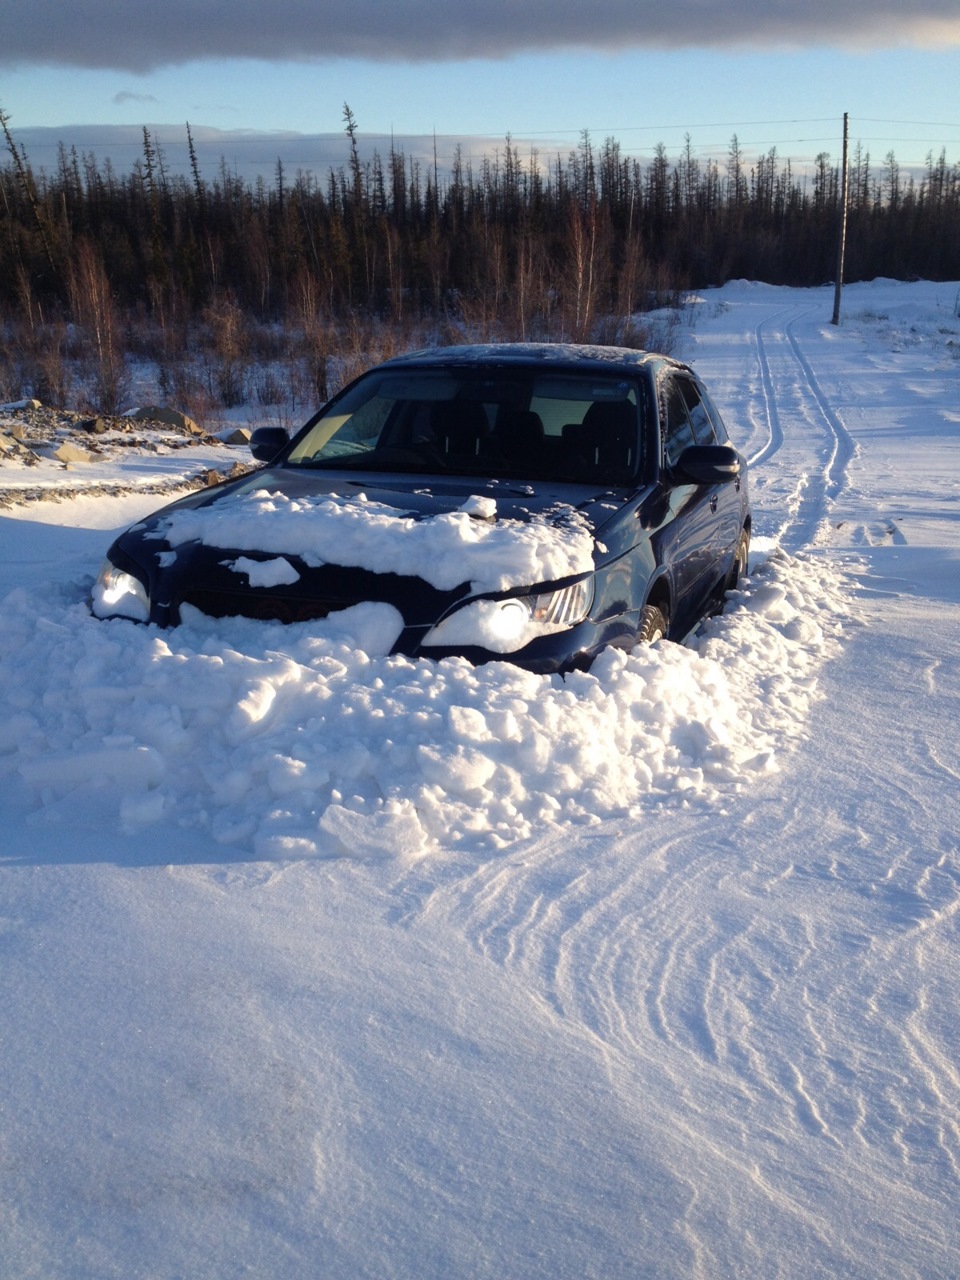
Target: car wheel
pixel 740 562
pixel 653 625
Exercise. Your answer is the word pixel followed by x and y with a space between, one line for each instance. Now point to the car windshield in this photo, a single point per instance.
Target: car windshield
pixel 514 424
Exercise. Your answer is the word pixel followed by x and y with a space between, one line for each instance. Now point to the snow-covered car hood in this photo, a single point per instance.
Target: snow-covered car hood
pixel 493 535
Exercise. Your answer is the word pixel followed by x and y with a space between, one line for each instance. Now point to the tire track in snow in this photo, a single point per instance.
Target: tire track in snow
pixel 789 489
pixel 843 448
pixel 768 395
pixel 813 489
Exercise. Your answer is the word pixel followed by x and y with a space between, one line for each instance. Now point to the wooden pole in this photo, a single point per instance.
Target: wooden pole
pixel 842 246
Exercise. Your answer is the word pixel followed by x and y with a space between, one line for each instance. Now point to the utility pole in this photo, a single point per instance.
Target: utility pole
pixel 842 246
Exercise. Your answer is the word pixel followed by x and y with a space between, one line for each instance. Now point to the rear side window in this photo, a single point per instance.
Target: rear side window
pixel 699 417
pixel 677 427
pixel 719 429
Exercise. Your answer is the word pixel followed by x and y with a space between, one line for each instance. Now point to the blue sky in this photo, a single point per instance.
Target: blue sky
pixel 897 75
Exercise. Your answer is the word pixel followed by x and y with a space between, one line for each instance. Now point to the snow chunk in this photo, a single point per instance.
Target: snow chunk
pixel 393 831
pixel 265 573
pixel 481 507
pixel 125 765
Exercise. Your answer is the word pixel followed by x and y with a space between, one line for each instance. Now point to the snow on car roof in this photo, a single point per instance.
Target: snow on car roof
pixel 570 353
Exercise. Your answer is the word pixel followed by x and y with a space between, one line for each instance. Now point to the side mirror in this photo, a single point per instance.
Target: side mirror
pixel 708 464
pixel 266 443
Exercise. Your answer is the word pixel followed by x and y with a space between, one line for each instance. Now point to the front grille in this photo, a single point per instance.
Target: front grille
pixel 272 608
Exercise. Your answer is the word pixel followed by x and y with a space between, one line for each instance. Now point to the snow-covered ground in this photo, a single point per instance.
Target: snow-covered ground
pixel 321 964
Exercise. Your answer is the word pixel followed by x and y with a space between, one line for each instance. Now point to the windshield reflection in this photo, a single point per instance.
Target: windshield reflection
pixel 572 427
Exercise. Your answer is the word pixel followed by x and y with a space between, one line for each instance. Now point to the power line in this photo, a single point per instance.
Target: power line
pixel 920 124
pixel 709 149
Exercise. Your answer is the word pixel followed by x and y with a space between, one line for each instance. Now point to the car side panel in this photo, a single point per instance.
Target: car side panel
pixel 690 548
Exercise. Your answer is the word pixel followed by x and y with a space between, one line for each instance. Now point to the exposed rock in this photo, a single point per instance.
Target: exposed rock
pixel 239 435
pixel 11 447
pixel 68 452
pixel 22 404
pixel 31 435
pixel 169 417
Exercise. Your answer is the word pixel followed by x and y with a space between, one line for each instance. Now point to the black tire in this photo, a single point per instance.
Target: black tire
pixel 740 562
pixel 653 625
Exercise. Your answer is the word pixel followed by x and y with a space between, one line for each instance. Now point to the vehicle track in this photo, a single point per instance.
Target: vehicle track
pixel 770 413
pixel 786 375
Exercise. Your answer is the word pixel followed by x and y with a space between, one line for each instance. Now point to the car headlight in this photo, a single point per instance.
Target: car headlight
pixel 117 594
pixel 504 626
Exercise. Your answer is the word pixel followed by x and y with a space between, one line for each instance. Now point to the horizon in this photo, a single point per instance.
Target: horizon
pixel 254 155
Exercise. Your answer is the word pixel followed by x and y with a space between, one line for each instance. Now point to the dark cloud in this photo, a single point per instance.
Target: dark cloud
pixel 138 35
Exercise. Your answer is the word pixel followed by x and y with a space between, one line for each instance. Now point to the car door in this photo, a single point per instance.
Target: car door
pixel 690 546
pixel 730 501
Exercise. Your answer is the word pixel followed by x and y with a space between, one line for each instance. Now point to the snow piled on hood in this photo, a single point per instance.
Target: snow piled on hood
pixel 356 532
pixel 300 741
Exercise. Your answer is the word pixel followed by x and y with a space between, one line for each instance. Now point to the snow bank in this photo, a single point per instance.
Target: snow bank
pixel 308 740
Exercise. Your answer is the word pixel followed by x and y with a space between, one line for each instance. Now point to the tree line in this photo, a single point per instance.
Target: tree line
pixel 518 246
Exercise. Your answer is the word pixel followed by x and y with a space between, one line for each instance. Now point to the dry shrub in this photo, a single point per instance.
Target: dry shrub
pixel 229 345
pixel 43 367
pixel 364 344
pixel 182 386
pixel 106 376
pixel 271 389
pixel 11 379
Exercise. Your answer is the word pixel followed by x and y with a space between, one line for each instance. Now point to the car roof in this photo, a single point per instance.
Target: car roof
pixel 565 355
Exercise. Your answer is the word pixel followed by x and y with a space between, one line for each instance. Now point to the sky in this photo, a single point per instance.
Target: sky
pixel 272 82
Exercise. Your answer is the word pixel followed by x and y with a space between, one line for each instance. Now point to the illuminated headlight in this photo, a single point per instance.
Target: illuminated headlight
pixel 503 626
pixel 119 595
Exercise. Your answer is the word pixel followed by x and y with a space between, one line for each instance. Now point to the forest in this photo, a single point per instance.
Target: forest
pixel 278 291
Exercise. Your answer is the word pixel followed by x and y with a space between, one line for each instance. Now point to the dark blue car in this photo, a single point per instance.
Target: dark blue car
pixel 527 502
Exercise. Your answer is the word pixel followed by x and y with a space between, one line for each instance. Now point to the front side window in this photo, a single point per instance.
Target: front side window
pixel 524 424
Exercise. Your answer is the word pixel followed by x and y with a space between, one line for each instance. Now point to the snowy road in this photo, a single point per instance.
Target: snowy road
pixel 649 974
